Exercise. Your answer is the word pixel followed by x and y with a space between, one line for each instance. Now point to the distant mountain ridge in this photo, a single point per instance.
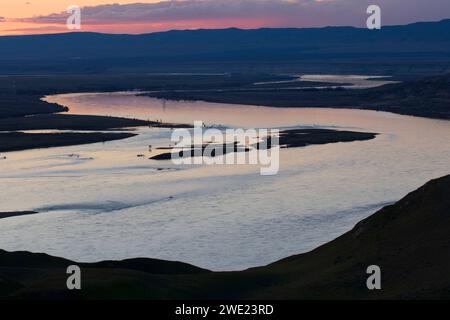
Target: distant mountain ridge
pixel 422 42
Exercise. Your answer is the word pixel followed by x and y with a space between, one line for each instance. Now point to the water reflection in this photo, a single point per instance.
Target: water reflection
pixel 107 203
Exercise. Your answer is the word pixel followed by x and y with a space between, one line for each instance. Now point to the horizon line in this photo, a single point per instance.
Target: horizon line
pixel 218 29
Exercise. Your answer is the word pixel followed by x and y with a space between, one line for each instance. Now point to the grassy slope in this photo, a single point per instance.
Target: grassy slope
pixel 408 240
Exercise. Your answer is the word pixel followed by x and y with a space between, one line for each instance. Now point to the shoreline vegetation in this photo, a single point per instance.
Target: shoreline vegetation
pixel 408 240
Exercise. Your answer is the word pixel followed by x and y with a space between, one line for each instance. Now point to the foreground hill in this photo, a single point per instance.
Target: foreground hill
pixel 414 48
pixel 408 240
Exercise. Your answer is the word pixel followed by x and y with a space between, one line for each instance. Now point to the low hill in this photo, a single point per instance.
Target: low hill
pixel 408 240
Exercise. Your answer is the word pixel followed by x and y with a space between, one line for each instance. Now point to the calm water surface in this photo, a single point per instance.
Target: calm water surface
pixel 101 201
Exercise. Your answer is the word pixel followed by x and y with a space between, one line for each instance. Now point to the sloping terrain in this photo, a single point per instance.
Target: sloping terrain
pixel 408 240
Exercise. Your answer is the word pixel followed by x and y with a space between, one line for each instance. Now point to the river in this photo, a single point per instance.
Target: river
pixel 101 201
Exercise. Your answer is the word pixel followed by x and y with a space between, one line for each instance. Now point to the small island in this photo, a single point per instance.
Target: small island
pixel 292 138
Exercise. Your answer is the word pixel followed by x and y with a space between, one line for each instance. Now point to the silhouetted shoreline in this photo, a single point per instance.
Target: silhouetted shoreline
pixel 424 97
pixel 293 138
pixel 19 141
pixel 11 139
pixel 4 215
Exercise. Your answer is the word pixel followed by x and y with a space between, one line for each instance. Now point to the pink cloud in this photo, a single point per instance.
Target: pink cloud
pixel 189 14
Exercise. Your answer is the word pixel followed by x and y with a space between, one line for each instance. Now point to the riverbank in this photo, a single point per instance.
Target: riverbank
pixel 22 107
pixel 4 215
pixel 11 139
pixel 71 122
pixel 294 138
pixel 18 141
pixel 425 97
pixel 408 240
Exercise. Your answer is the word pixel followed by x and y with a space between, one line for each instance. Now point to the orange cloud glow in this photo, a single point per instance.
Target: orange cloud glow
pixel 49 16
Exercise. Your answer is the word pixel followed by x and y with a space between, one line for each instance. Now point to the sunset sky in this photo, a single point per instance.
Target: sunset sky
pixel 127 16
